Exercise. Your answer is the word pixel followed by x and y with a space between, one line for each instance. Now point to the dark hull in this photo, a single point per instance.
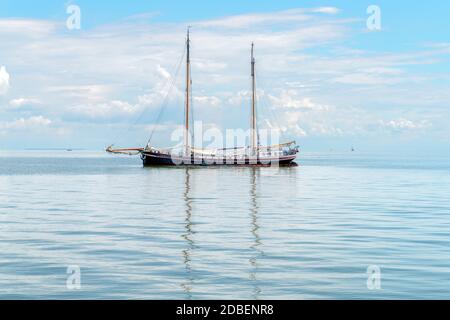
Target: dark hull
pixel 151 159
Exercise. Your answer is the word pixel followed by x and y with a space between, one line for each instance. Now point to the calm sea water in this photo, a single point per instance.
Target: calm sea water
pixel 245 233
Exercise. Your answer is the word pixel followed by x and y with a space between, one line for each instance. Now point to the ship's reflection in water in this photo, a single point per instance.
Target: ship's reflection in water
pixel 188 236
pixel 257 252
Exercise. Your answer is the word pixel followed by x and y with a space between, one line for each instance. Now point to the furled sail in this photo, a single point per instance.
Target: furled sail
pixel 128 151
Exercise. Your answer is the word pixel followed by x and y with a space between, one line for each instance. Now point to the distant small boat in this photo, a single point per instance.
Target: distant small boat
pixel 255 154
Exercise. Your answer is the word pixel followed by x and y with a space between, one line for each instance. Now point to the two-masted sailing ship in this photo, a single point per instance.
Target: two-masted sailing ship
pixel 252 155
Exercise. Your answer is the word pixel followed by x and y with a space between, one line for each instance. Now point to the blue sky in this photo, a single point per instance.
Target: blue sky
pixel 331 81
pixel 409 22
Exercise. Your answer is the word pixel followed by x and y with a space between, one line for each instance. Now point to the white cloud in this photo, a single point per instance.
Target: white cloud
pixel 206 101
pixel 90 92
pixel 246 20
pixel 149 100
pixel 164 90
pixel 327 10
pixel 330 122
pixel 26 123
pixel 20 102
pixel 405 124
pixel 105 110
pixel 208 65
pixel 362 79
pixel 239 98
pixel 163 127
pixel 4 80
pixel 289 99
pixel 26 27
pixel 163 72
pixel 258 19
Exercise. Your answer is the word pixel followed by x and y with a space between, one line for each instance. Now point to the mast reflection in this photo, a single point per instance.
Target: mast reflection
pixel 255 247
pixel 188 236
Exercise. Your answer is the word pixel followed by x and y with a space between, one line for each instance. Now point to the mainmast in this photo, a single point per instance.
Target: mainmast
pixel 188 87
pixel 254 135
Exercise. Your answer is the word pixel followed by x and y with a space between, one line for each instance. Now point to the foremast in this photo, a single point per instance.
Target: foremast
pixel 254 133
pixel 188 89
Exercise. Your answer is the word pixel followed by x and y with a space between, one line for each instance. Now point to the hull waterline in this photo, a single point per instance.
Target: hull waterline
pixel 150 159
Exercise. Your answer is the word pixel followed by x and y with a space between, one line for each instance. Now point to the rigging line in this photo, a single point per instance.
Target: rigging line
pixel 275 117
pixel 139 117
pixel 166 99
pixel 271 112
pixel 265 106
pixel 166 85
pixel 278 123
